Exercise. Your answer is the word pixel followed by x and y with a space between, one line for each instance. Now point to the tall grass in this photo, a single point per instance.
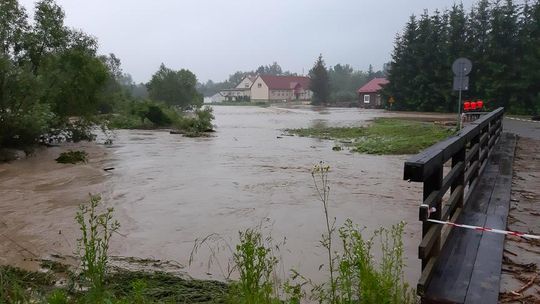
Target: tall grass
pixel 354 275
pixel 255 263
pixel 93 245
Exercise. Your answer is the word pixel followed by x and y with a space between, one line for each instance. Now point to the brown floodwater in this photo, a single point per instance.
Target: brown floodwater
pixel 169 190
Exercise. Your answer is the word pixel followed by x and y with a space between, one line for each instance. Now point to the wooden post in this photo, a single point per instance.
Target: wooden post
pixel 431 184
pixel 460 179
pixel 475 157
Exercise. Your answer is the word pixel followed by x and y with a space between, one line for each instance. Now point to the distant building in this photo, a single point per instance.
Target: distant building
pixel 216 98
pixel 280 88
pixel 369 94
pixel 242 91
pixel 270 88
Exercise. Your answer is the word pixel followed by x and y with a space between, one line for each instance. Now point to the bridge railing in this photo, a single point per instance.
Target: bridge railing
pixel 468 152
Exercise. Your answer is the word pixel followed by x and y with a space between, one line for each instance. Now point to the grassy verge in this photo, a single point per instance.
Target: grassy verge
pixel 21 286
pixel 383 136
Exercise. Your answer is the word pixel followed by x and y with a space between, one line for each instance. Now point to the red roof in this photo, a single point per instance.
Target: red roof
pixel 285 82
pixel 373 86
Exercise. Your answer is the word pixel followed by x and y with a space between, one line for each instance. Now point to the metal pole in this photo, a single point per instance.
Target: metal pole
pixel 459 111
pixel 460 88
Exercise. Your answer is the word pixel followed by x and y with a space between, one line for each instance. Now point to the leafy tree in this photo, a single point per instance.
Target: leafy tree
pixel 319 84
pixel 174 87
pixel 48 33
pixel 73 80
pixel 13 25
pixel 273 69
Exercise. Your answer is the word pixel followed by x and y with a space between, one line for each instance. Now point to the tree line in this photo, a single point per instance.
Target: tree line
pixel 49 73
pixel 501 38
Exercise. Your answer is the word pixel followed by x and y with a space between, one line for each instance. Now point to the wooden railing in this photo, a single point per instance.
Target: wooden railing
pixel 468 152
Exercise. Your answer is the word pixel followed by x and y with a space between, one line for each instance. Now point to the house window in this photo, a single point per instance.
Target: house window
pixel 247 85
pixel 366 98
pixel 259 85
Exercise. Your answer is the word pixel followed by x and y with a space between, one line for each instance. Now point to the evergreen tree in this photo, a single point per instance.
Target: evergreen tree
pixel 502 55
pixel 320 85
pixel 502 40
pixel 529 59
pixel 403 68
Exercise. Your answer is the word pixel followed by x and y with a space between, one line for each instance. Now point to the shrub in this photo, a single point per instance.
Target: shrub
pixel 72 157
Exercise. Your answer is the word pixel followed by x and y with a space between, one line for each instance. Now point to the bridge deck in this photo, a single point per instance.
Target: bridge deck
pixel 469 266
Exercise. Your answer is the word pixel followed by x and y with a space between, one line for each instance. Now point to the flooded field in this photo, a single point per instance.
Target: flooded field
pixel 169 190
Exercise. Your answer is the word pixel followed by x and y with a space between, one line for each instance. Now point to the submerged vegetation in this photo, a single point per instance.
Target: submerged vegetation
pixel 72 157
pixel 383 136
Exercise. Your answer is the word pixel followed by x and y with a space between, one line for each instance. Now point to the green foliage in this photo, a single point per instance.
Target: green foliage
pixel 319 84
pixel 383 136
pixel 19 286
pixel 502 40
pixel 74 79
pixel 72 157
pixel 354 276
pixel 254 261
pixel 48 73
pixel 176 88
pixel 93 245
pixel 58 296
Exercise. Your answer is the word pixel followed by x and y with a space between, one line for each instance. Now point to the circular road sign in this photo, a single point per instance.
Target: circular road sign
pixel 461 67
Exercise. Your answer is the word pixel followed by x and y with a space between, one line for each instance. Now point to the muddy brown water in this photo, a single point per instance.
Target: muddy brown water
pixel 169 190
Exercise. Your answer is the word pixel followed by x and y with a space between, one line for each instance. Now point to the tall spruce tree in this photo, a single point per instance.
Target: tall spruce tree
pixel 320 84
pixel 529 59
pixel 403 68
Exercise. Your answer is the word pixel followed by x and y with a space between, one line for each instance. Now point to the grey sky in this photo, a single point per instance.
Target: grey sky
pixel 215 38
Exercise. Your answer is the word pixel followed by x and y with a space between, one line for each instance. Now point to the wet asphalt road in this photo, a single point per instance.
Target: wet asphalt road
pixel 522 128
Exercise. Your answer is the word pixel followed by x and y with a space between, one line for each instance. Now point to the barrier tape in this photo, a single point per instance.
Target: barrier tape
pixel 521 119
pixel 478 228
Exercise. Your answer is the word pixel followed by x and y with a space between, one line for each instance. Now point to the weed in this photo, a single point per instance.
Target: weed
pixel 58 296
pixel 320 179
pixel 93 246
pixel 72 157
pixel 354 275
pixel 255 263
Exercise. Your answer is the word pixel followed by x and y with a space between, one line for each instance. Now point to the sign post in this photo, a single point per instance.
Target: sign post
pixel 461 68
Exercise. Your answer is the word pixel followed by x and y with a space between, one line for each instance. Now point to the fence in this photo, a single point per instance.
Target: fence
pixel 468 152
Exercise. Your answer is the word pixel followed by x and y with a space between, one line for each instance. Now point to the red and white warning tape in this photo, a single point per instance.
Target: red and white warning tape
pixel 514 233
pixel 478 228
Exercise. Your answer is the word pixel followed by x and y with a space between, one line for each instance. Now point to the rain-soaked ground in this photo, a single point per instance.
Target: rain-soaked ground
pixel 169 190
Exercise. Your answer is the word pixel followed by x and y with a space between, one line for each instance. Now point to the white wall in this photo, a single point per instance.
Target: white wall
pixel 259 90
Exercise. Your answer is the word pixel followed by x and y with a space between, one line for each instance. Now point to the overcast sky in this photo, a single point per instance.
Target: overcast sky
pixel 215 38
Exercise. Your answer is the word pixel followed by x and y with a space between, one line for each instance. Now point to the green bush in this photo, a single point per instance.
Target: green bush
pixel 156 115
pixel 72 157
pixel 23 128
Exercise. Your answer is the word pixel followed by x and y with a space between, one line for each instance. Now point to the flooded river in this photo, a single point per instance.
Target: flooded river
pixel 169 190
